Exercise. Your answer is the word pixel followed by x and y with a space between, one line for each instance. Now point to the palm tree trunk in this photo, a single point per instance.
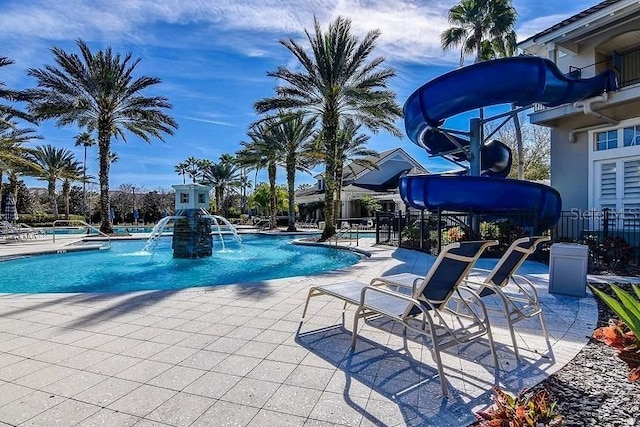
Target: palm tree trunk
pixel 104 148
pixel 66 191
pixel 291 177
pixel 84 185
pixel 52 196
pixel 330 129
pixel 272 193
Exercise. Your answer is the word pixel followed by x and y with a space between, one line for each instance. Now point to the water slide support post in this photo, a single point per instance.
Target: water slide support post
pixel 475 144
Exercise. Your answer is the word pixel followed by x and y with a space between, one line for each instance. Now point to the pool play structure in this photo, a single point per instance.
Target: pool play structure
pixel 481 187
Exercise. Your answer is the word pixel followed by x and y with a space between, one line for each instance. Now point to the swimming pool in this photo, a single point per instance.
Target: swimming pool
pixel 126 267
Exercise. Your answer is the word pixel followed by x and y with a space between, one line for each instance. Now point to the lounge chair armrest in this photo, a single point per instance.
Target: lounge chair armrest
pixel 473 297
pixel 477 286
pixel 531 292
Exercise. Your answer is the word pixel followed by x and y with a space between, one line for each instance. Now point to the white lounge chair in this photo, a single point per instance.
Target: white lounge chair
pixel 519 302
pixel 425 306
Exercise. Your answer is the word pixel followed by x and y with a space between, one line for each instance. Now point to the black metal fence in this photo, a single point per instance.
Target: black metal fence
pixel 613 238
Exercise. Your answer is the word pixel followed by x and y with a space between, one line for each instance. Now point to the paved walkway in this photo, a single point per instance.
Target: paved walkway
pixel 232 355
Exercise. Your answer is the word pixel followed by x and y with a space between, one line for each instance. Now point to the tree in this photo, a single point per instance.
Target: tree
pixel 536 150
pixel 193 168
pixel 8 112
pixel 261 198
pixel 85 140
pixel 264 148
pixel 181 169
pixel 55 163
pixel 97 91
pixel 73 172
pixel 352 150
pixel 13 154
pixel 155 203
pixel 481 27
pixel 370 205
pixel 220 176
pixel 337 81
pixel 486 28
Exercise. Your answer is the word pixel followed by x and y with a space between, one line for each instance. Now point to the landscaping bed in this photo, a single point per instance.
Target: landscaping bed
pixel 593 389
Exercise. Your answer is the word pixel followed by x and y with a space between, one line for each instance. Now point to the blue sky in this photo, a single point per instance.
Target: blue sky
pixel 212 57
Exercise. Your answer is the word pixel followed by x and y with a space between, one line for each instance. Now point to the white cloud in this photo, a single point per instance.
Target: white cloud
pixel 410 28
pixel 531 27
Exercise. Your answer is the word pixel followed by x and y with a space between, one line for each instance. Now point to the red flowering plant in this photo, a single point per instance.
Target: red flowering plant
pixel 623 334
pixel 527 409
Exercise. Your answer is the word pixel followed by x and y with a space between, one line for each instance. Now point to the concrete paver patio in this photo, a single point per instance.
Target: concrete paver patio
pixel 234 355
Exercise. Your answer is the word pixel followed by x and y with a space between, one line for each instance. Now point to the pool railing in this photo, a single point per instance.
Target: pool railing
pixel 76 221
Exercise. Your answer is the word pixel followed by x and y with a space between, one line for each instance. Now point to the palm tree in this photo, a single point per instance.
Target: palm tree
pixel 85 140
pixel 221 176
pixel 480 27
pixel 97 91
pixel 265 149
pixel 485 28
pixel 181 169
pixel 7 112
pixel 193 168
pixel 55 164
pixel 295 136
pixel 13 153
pixel 352 151
pixel 73 172
pixel 337 81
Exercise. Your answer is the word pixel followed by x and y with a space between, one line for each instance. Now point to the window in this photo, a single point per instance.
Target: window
pixel 184 197
pixel 201 198
pixel 631 136
pixel 606 140
pixel 617 188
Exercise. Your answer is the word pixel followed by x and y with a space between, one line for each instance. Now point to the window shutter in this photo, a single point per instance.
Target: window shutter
pixel 608 181
pixel 632 179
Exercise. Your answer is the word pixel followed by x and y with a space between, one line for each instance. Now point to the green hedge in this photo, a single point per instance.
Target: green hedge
pixel 45 220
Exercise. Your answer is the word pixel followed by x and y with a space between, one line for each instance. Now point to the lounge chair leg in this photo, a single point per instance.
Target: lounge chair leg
pixel 513 338
pixel 306 304
pixel 354 335
pixel 436 356
pixel 493 347
pixel 344 309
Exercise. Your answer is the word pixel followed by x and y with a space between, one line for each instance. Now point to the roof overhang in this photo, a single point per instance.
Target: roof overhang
pixel 568 33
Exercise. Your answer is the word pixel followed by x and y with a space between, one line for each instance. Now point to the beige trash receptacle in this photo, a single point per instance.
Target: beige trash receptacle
pixel 568 269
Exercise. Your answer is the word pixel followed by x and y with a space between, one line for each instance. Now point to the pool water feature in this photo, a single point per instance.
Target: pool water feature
pixel 126 267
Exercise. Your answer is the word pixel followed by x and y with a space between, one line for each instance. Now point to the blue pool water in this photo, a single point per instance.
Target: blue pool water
pixel 126 267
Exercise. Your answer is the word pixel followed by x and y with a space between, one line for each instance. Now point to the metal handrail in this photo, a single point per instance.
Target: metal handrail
pixel 344 230
pixel 89 226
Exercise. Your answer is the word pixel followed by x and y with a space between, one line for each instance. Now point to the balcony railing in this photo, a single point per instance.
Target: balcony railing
pixel 627 66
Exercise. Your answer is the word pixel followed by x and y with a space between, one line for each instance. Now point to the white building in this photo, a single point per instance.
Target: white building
pixel 595 144
pixel 381 184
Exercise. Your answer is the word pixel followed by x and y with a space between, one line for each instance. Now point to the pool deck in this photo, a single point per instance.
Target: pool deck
pixel 234 355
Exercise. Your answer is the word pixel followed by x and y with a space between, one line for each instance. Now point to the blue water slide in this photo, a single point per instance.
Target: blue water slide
pixel 521 81
pixel 483 195
pixel 496 157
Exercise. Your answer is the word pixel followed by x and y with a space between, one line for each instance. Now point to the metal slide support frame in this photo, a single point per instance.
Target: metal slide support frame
pixel 475 145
